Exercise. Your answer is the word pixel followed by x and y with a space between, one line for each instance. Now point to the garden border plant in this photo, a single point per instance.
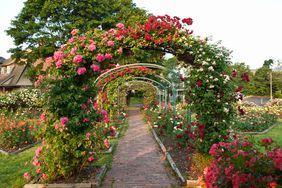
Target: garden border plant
pixel 71 110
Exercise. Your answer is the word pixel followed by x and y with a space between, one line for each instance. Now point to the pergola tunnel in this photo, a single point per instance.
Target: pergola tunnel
pixel 144 78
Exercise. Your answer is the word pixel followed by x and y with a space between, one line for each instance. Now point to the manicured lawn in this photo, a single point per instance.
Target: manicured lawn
pixel 12 168
pixel 275 133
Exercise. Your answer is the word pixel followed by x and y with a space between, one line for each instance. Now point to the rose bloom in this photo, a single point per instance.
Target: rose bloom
pixel 106 143
pixel 58 64
pixel 95 68
pixel 78 59
pixel 100 58
pixel 26 175
pixel 120 50
pixel 48 61
pixel 64 120
pixel 81 70
pixel 108 56
pixel 120 26
pixel 74 32
pixel 58 55
pixel 91 158
pixel 92 47
pixel 110 43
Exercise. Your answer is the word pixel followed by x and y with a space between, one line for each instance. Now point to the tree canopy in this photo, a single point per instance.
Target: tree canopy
pixel 44 25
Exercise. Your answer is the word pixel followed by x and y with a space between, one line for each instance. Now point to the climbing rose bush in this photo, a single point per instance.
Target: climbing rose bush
pixel 72 70
pixel 240 164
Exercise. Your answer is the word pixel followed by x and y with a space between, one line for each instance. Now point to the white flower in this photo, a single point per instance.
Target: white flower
pixel 159 117
pixel 226 110
pixel 211 86
pixel 214 63
pixel 211 68
pixel 218 100
pixel 216 79
pixel 211 77
pixel 205 63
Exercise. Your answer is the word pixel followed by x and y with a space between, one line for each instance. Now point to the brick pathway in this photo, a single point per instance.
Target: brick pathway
pixel 138 162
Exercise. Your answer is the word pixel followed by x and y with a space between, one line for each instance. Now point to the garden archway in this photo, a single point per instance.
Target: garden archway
pixel 70 77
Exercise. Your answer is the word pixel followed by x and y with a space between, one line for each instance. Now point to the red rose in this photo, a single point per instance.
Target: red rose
pixel 239 89
pixel 245 77
pixel 273 184
pixel 234 73
pixel 148 37
pixel 188 21
pixel 199 83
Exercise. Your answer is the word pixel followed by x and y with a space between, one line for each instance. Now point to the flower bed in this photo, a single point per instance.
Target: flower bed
pixel 254 121
pixel 240 164
pixel 18 129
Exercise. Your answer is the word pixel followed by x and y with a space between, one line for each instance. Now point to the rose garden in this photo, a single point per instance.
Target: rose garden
pixel 193 103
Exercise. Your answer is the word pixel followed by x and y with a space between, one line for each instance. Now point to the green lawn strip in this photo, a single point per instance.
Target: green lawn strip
pixel 275 133
pixel 12 168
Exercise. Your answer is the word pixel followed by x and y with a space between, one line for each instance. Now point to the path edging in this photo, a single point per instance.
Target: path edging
pixel 19 150
pixel 258 133
pixel 189 183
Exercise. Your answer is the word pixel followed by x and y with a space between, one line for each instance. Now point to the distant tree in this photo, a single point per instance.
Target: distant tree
pixel 261 81
pixel 268 63
pixel 43 25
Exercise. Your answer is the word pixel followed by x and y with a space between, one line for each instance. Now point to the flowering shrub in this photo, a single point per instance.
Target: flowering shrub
pixel 240 164
pixel 18 129
pixel 254 121
pixel 24 98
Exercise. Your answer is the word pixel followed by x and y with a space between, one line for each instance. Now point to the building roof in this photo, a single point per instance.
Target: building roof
pixel 17 76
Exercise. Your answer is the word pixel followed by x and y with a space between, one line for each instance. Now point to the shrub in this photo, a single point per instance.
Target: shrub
pixel 240 164
pixel 17 130
pixel 24 98
pixel 254 121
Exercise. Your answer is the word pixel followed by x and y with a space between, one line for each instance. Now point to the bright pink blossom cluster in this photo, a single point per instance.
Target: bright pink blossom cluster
pixel 240 164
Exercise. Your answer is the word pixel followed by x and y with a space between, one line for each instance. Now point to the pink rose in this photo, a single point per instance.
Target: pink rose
pixel 42 117
pixel 26 175
pixel 120 51
pixel 106 143
pixel 64 121
pixel 74 32
pixel 92 47
pixel 44 176
pixel 120 26
pixel 38 151
pixel 73 50
pixel 85 120
pixel 58 64
pixel 91 158
pixel 95 68
pixel 110 43
pixel 88 134
pixel 81 70
pixel 48 61
pixel 78 59
pixel 38 170
pixel 71 40
pixel 108 56
pixel 57 126
pixel 58 55
pixel 100 58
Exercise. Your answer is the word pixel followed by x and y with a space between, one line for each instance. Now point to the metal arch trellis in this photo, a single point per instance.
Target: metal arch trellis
pixel 151 85
pixel 147 65
pixel 134 65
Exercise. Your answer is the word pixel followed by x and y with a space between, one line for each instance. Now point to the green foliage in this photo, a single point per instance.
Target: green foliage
pixel 12 168
pixel 43 25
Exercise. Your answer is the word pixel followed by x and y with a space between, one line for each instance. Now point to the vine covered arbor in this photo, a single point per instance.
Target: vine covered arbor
pixel 98 62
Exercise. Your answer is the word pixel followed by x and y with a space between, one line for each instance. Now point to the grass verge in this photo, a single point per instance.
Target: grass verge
pixel 12 168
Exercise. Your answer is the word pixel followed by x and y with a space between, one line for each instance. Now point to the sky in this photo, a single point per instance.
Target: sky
pixel 252 29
